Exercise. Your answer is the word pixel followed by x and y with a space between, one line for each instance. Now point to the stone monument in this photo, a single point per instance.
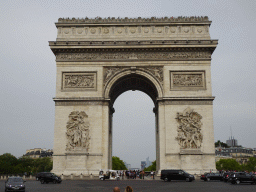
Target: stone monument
pixel 167 58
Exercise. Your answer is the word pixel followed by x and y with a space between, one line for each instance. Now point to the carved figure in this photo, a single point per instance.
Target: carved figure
pixel 189 128
pixel 77 131
pixel 190 80
pixel 76 81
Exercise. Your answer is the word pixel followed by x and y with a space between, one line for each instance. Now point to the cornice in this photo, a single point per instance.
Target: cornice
pixel 139 20
pixel 53 44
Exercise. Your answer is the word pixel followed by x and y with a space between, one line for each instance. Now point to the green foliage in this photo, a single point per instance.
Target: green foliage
pixel 251 165
pixel 228 164
pixel 219 143
pixel 118 164
pixel 42 165
pixel 9 164
pixel 151 167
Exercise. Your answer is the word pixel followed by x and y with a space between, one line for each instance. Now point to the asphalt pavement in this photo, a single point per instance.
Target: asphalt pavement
pixel 137 185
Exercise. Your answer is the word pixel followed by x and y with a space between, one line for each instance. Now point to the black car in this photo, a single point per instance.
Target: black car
pixel 203 176
pixel 242 177
pixel 50 177
pixel 39 175
pixel 226 176
pixel 212 176
pixel 176 174
pixel 15 184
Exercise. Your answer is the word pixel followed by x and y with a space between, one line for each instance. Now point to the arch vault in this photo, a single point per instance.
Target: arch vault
pixel 98 59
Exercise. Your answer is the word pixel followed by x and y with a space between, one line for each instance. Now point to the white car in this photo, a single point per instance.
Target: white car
pixel 108 174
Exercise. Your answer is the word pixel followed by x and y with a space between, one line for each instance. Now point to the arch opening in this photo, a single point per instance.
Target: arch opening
pixel 133 81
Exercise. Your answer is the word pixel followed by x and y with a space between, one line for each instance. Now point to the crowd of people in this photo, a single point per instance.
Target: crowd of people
pixel 134 174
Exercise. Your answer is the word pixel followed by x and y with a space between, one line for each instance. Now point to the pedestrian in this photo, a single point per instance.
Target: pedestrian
pixel 143 173
pixel 135 174
pixel 128 189
pixel 151 173
pixel 122 175
pixel 127 174
pixel 116 189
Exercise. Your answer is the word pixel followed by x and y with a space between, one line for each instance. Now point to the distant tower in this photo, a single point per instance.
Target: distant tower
pixel 232 142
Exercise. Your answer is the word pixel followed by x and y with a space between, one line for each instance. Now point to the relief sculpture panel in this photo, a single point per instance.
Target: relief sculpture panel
pixel 78 137
pixel 189 129
pixel 78 81
pixel 187 80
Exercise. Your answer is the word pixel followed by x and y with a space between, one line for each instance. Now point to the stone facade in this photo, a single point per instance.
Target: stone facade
pixel 167 58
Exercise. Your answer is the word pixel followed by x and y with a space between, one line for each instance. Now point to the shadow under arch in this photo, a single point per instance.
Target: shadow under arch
pixel 129 80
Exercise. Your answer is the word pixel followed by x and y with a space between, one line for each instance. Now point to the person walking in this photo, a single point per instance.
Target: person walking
pixel 122 175
pixel 143 174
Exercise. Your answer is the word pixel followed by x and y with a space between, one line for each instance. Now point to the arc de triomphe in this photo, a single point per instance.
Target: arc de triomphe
pixel 167 58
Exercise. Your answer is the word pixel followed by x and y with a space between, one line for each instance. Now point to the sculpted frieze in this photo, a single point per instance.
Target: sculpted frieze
pixel 187 80
pixel 189 129
pixel 78 80
pixel 132 56
pixel 78 137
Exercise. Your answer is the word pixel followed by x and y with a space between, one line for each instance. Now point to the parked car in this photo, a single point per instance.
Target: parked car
pixel 226 176
pixel 39 175
pixel 50 177
pixel 108 174
pixel 212 176
pixel 15 184
pixel 203 176
pixel 176 174
pixel 242 177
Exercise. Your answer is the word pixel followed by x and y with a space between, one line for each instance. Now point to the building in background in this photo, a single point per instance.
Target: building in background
pixel 148 163
pixel 128 166
pixel 143 165
pixel 232 142
pixel 38 153
pixel 240 154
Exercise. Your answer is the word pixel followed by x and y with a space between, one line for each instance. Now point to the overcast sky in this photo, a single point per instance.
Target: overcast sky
pixel 28 72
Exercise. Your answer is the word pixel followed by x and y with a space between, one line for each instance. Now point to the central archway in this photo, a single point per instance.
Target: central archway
pixel 133 80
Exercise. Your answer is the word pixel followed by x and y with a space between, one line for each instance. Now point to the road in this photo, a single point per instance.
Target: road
pixel 137 185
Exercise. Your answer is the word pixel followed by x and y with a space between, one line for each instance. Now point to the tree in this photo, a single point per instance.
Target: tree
pixel 151 167
pixel 118 164
pixel 41 165
pixel 251 165
pixel 7 163
pixel 228 164
pixel 219 143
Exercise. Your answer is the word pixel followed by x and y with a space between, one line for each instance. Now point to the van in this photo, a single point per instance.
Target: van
pixel 176 174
